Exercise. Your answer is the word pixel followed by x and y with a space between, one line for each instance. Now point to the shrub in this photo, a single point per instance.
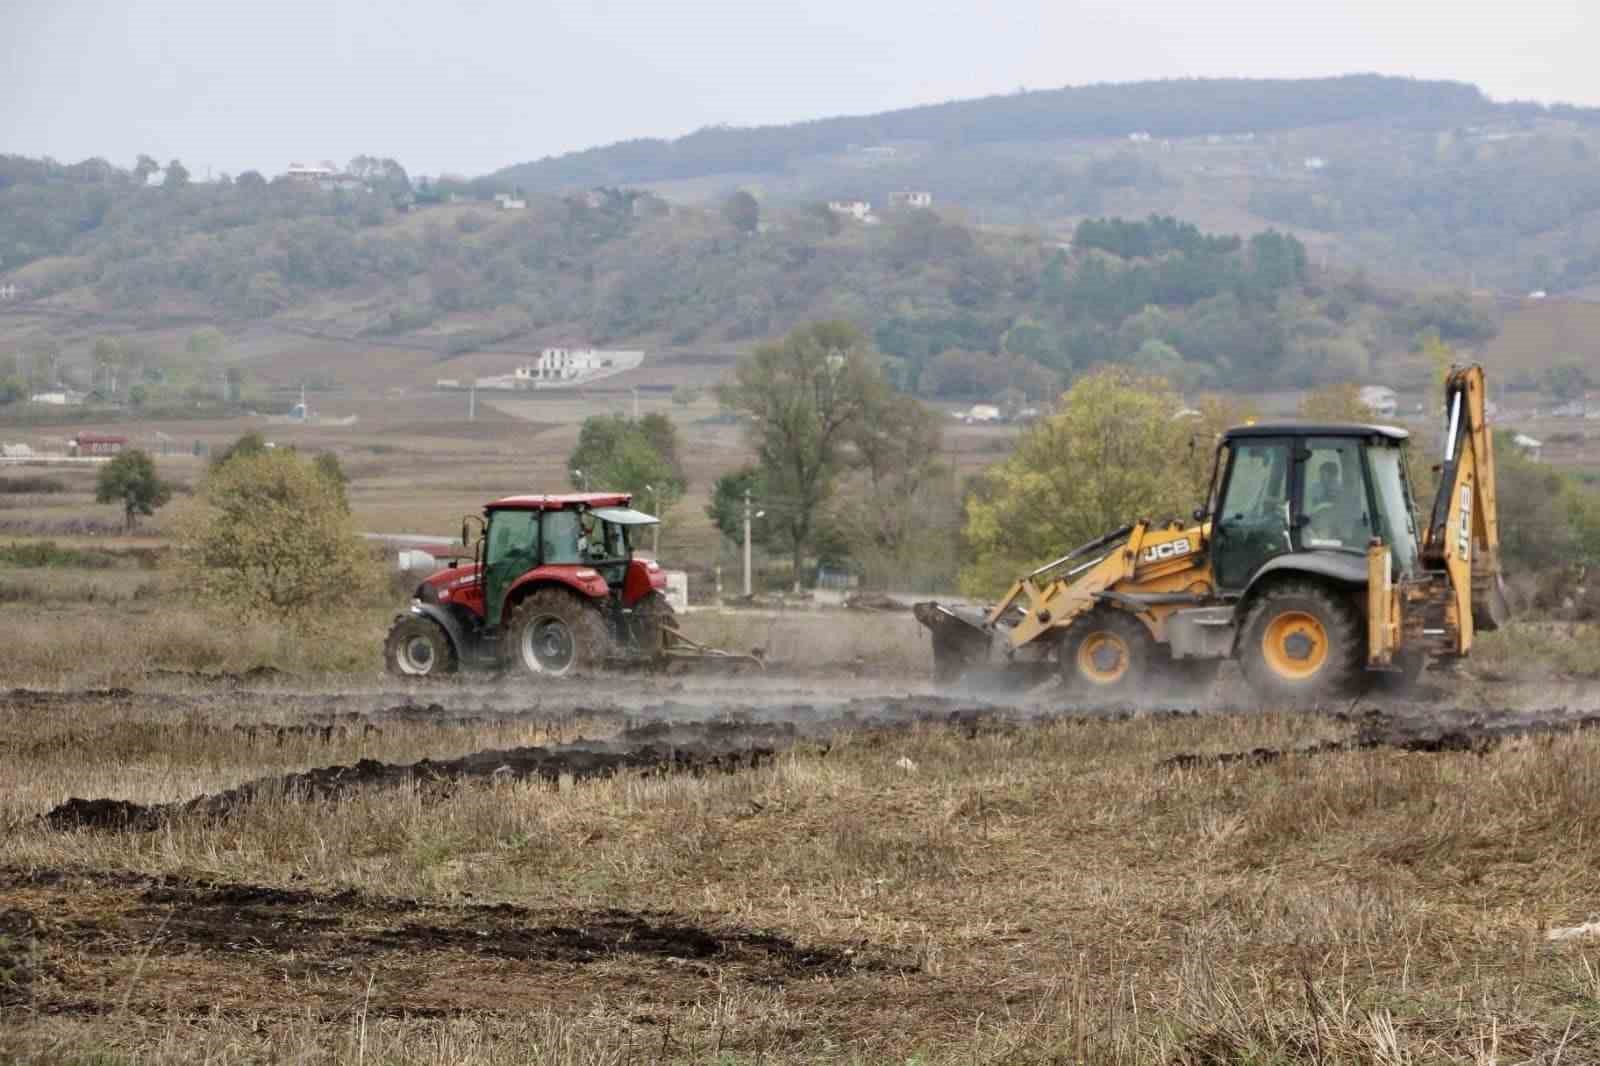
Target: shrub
pixel 269 534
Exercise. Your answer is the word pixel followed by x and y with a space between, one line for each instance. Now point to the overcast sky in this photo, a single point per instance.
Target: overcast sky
pixel 468 86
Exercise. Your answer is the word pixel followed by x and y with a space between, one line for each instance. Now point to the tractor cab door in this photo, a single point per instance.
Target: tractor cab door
pixel 511 551
pixel 1335 506
pixel 1251 522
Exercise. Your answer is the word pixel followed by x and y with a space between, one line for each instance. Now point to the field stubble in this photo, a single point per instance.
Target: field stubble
pixel 907 878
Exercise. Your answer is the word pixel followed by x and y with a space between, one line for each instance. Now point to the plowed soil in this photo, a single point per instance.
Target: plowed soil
pixel 77 942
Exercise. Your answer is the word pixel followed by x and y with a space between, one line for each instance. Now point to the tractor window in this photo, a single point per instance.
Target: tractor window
pixel 561 532
pixel 511 535
pixel 1333 496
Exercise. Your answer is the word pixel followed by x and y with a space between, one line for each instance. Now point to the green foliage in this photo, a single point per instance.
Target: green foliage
pixel 268 534
pixel 726 509
pixel 47 553
pixel 327 464
pixel 1549 521
pixel 1110 454
pixel 130 479
pixel 250 444
pixel 618 454
pixel 804 399
pixel 742 212
pixel 1335 403
pixel 31 484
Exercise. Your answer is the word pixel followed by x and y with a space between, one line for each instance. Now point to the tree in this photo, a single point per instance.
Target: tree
pixel 327 464
pixel 250 444
pixel 251 180
pixel 177 175
pixel 902 523
pixel 804 397
pixel 130 479
pixel 618 454
pixel 742 212
pixel 144 169
pixel 726 509
pixel 108 362
pixel 1111 453
pixel 268 535
pixel 1335 403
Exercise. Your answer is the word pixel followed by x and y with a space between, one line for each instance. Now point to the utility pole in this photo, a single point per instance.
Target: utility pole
pixel 747 544
pixel 655 530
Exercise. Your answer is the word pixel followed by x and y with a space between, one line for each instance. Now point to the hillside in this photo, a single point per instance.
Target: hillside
pixel 1425 183
pixel 416 292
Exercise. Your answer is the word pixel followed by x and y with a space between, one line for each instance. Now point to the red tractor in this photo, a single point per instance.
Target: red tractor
pixel 553 589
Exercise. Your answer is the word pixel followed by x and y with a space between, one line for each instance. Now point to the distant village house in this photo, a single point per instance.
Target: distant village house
pixel 507 202
pixel 913 199
pixel 860 210
pixel 562 365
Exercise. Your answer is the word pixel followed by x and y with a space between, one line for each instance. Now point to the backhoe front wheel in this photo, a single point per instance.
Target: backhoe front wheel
pixel 1106 655
pixel 555 634
pixel 1302 644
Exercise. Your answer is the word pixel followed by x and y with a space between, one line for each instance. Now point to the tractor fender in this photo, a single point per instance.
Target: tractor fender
pixel 449 623
pixel 1341 568
pixel 583 581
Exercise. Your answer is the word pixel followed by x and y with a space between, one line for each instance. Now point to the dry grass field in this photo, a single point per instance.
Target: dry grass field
pixel 903 879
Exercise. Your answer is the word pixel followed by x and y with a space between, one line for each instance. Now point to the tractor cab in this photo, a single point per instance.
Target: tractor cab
pixel 1295 488
pixel 575 539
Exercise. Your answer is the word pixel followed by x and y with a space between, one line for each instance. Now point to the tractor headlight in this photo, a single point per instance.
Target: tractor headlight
pixel 427 593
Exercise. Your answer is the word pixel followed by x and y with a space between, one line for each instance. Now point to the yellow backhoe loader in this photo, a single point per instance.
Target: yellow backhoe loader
pixel 1306 565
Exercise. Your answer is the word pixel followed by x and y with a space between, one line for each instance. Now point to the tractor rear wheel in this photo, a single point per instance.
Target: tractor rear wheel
pixel 1302 643
pixel 1106 655
pixel 555 634
pixel 652 616
pixel 418 647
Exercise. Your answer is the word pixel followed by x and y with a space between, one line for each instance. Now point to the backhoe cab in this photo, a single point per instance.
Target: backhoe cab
pixel 1307 565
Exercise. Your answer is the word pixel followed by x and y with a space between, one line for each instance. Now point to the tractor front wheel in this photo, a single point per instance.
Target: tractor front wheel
pixel 1106 655
pixel 554 634
pixel 1302 644
pixel 418 647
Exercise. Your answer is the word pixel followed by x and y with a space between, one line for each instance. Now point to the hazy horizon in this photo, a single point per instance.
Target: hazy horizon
pixel 492 83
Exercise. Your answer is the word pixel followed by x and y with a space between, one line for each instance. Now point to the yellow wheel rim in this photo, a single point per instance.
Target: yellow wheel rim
pixel 1103 658
pixel 1295 645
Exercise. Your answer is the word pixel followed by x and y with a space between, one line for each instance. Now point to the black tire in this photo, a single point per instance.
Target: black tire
pixel 1107 654
pixel 419 647
pixel 553 633
pixel 1302 644
pixel 652 615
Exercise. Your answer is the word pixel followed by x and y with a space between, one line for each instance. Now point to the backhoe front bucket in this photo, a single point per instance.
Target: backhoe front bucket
pixel 961 637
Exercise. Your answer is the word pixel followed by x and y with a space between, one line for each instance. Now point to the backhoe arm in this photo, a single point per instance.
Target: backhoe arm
pixel 1463 532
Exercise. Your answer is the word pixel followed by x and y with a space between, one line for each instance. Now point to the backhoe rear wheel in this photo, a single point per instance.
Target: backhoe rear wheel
pixel 1106 655
pixel 555 634
pixel 1302 644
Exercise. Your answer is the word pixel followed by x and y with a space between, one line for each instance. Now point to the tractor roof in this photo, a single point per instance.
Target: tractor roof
pixel 1316 429
pixel 561 501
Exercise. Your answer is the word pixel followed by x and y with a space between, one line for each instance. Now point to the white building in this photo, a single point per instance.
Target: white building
pixel 911 199
pixel 1139 137
pixel 8 291
pixel 311 173
pixel 1315 162
pixel 1381 399
pixel 556 366
pixel 58 398
pixel 859 210
pixel 507 202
